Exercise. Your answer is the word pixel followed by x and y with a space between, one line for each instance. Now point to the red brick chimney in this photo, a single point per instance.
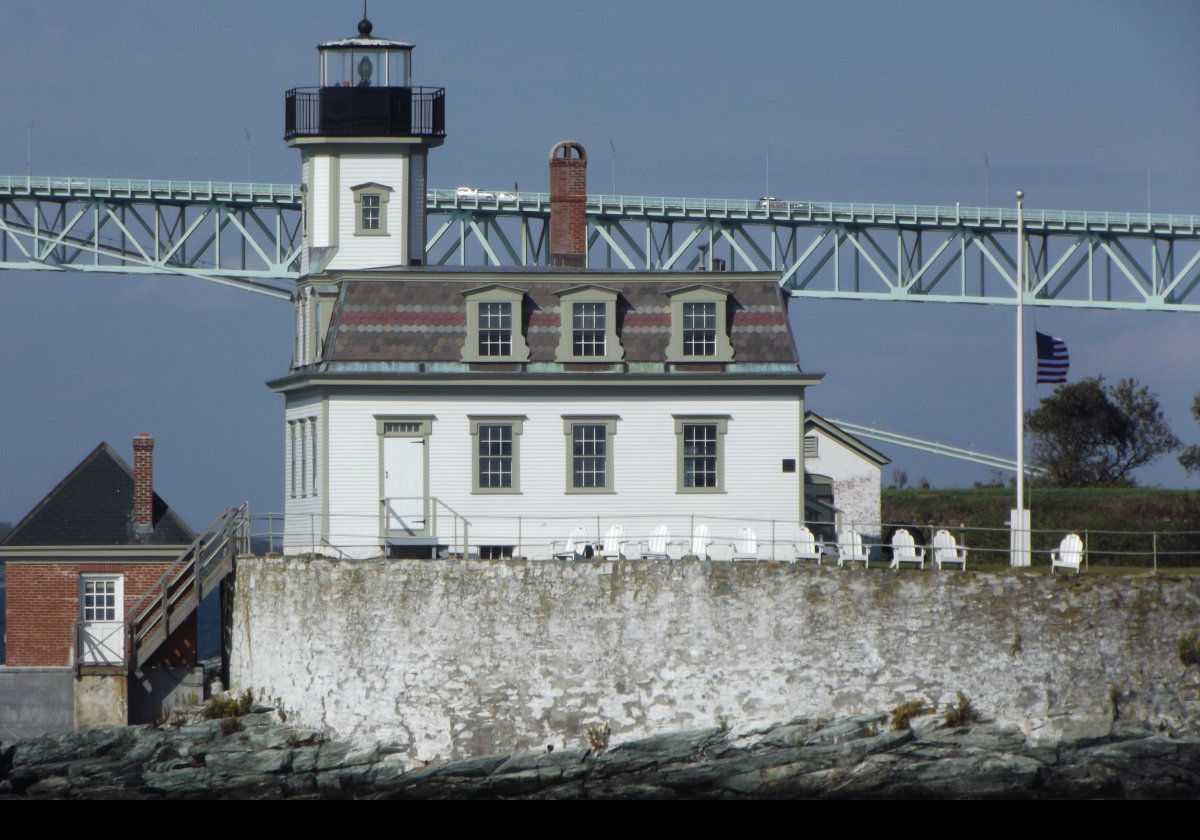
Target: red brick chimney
pixel 568 200
pixel 143 483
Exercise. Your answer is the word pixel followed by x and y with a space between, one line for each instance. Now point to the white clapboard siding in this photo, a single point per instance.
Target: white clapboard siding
pixel 371 251
pixel 762 432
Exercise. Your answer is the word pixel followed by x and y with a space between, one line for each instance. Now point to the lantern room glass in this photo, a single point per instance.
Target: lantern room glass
pixel 365 66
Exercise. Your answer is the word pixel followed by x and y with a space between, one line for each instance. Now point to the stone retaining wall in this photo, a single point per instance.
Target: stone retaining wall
pixel 460 659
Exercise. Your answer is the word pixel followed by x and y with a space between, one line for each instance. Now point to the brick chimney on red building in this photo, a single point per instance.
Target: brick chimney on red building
pixel 568 200
pixel 143 483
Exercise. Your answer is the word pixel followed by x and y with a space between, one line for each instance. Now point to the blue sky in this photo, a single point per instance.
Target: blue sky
pixel 1075 102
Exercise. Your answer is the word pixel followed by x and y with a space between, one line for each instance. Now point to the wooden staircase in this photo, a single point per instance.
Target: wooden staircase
pixel 176 595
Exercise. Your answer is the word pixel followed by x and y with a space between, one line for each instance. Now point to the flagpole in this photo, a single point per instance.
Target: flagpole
pixel 1019 522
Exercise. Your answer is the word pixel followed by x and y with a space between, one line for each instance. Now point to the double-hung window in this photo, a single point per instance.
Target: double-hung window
pixel 589 455
pixel 700 453
pixel 494 325
pixel 495 329
pixel 496 461
pixel 699 329
pixel 587 328
pixel 588 325
pixel 370 209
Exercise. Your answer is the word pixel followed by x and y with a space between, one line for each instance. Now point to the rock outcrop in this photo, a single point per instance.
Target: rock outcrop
pixel 862 757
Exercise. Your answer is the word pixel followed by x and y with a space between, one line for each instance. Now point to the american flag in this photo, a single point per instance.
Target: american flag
pixel 1053 360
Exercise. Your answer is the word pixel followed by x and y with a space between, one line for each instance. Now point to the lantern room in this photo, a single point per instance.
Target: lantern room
pixel 365 61
pixel 365 91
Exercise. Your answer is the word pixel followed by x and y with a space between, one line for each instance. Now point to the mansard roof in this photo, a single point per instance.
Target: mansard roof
pixel 93 505
pixel 421 315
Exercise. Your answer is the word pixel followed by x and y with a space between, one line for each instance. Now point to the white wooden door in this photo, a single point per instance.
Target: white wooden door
pixel 101 615
pixel 404 484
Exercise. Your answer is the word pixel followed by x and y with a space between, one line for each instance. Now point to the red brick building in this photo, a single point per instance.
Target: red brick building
pixel 78 564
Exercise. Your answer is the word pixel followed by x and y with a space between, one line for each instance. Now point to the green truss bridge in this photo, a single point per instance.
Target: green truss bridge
pixel 248 236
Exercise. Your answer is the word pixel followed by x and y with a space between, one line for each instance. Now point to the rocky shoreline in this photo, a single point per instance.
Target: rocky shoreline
pixel 259 756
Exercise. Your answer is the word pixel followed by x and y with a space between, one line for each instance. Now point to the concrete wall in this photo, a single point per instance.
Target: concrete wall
pixel 467 658
pixel 153 692
pixel 34 701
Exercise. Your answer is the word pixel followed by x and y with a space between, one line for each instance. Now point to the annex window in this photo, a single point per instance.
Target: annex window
pixel 496 456
pixel 699 329
pixel 494 325
pixel 700 454
pixel 370 209
pixel 589 456
pixel 588 325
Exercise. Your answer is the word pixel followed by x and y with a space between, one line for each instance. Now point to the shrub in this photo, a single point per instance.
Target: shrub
pixel 1189 649
pixel 905 712
pixel 961 713
pixel 598 737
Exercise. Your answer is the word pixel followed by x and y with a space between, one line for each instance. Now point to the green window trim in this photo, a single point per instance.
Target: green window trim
pixel 496 453
pixel 700 452
pixel 589 453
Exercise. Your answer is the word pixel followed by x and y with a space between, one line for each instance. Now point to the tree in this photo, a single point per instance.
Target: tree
pixel 1088 434
pixel 1191 454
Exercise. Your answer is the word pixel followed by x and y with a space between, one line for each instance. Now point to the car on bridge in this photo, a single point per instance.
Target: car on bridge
pixel 478 195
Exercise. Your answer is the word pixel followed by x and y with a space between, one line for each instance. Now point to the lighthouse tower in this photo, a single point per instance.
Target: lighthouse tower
pixel 364 136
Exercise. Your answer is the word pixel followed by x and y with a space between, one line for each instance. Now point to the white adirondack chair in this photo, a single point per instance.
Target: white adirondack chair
pixel 572 547
pixel 946 550
pixel 850 549
pixel 613 546
pixel 1069 554
pixel 906 550
pixel 746 546
pixel 701 540
pixel 656 548
pixel 807 547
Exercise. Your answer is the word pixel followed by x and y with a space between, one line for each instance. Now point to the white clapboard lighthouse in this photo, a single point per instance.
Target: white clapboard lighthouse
pixel 364 136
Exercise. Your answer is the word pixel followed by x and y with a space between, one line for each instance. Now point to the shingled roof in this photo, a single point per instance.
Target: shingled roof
pixel 93 505
pixel 424 318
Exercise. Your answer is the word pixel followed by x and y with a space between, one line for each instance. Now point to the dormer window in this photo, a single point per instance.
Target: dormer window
pixel 370 209
pixel 700 328
pixel 494 325
pixel 587 328
pixel 699 325
pixel 495 328
pixel 588 325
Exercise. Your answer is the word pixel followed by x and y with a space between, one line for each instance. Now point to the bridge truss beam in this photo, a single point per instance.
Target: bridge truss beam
pixel 248 236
